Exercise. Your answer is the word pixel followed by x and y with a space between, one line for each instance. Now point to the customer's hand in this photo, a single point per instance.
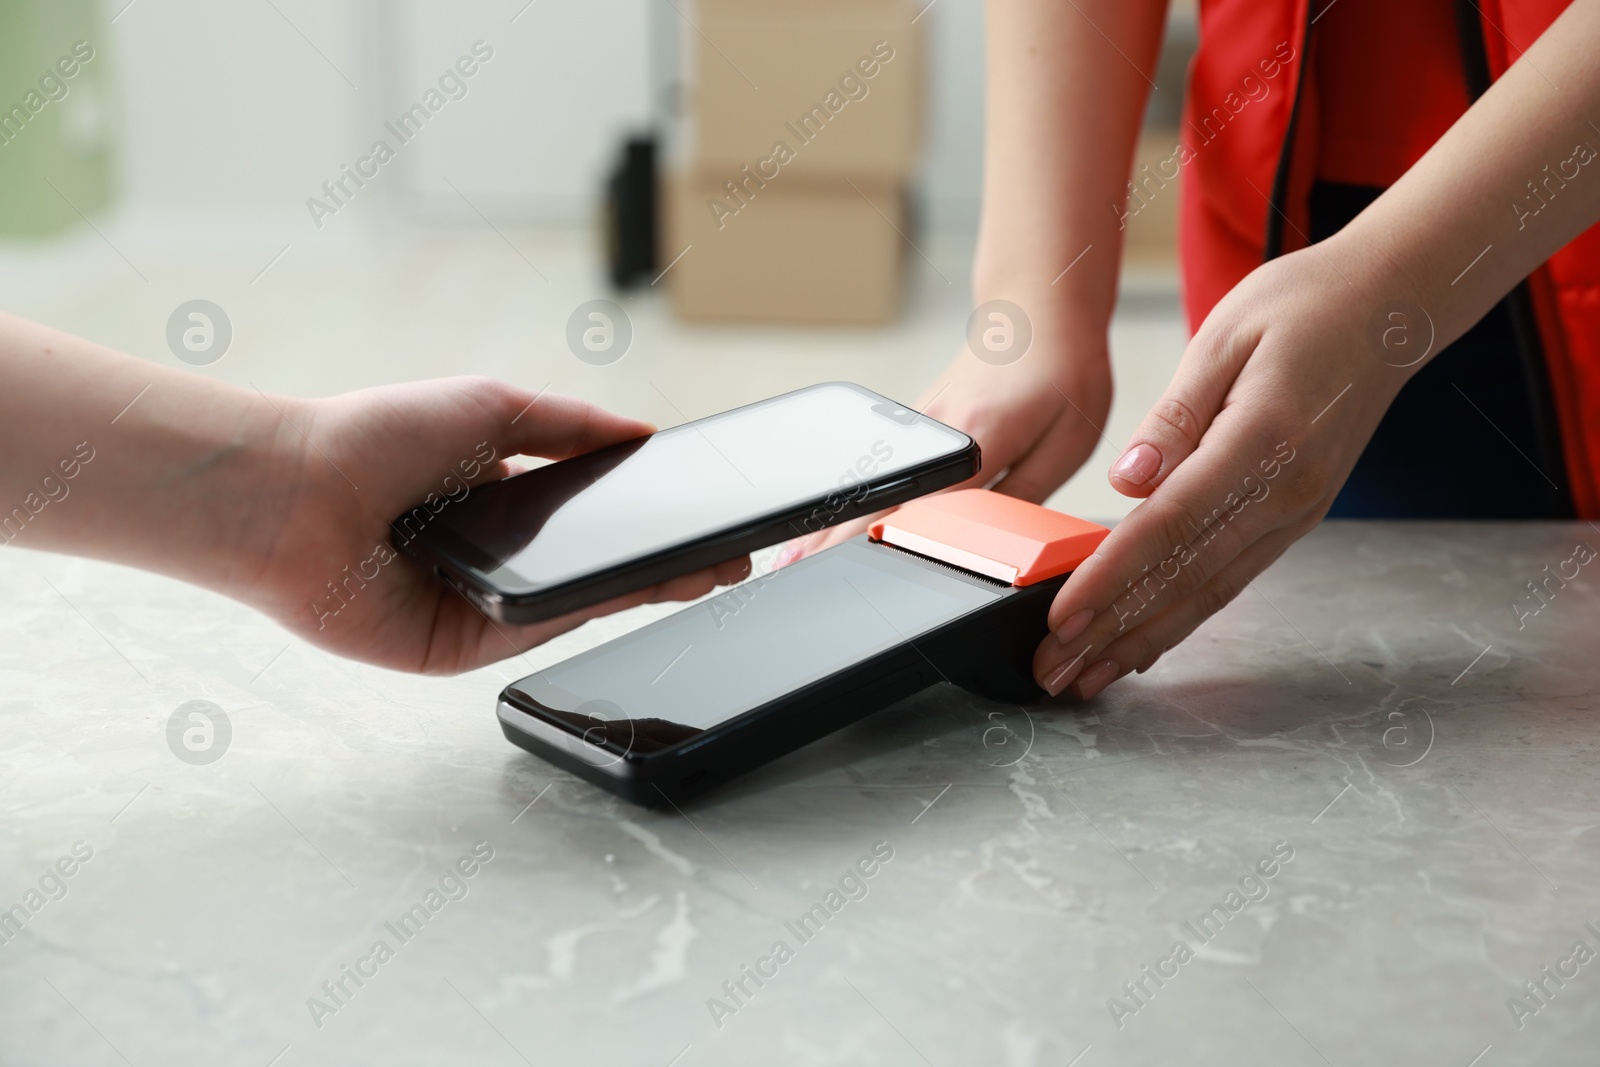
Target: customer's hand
pixel 1273 403
pixel 356 461
pixel 1035 420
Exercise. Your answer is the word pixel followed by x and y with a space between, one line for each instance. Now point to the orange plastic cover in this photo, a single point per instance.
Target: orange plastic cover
pixel 992 534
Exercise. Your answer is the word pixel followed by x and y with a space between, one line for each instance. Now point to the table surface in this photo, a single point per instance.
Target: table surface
pixel 1407 755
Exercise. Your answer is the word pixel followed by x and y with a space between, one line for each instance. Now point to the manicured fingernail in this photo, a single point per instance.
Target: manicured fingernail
pixel 1062 676
pixel 1074 625
pixel 786 556
pixel 1138 464
pixel 1096 678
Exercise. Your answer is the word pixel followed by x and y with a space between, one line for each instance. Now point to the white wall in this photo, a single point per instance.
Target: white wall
pixel 229 113
pixel 585 64
pixel 951 181
pixel 567 83
pixel 225 108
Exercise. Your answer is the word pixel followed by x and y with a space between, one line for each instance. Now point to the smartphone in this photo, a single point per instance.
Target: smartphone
pixel 616 520
pixel 702 696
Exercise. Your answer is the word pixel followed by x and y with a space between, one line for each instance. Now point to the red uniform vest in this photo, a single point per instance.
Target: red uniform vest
pixel 1250 125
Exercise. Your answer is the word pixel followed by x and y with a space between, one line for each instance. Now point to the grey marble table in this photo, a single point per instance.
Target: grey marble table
pixel 1347 823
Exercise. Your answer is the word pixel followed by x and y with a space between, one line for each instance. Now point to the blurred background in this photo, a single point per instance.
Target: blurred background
pixel 537 156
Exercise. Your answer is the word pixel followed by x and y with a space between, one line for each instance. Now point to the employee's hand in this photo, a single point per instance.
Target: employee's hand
pixel 1274 401
pixel 1035 420
pixel 1269 368
pixel 364 458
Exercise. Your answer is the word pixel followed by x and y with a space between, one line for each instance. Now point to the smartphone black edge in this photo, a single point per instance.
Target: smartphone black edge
pixel 538 606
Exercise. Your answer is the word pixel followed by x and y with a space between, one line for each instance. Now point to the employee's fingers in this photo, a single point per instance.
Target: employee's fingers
pixel 1173 637
pixel 811 544
pixel 1172 430
pixel 1030 468
pixel 1052 459
pixel 1191 512
pixel 1026 454
pixel 1170 546
pixel 1141 646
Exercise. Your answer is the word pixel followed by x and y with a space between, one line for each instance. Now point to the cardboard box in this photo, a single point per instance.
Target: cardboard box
pixel 789 251
pixel 837 84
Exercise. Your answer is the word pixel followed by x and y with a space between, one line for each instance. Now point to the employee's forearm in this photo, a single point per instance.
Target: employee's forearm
pixel 1067 89
pixel 118 458
pixel 1515 179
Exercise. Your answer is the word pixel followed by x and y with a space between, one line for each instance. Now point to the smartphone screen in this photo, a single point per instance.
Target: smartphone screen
pixel 716 660
pixel 573 519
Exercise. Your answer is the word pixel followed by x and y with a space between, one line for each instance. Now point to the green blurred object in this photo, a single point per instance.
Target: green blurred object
pixel 54 115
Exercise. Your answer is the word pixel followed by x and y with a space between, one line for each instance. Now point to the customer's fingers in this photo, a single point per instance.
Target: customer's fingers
pixel 692 586
pixel 1172 429
pixel 474 442
pixel 552 426
pixel 495 641
pixel 812 543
